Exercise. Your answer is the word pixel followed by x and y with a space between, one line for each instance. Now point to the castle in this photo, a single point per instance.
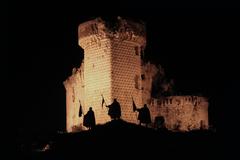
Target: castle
pixel 113 68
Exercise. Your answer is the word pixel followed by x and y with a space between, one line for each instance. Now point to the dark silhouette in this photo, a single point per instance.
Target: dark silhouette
pixel 159 123
pixel 134 105
pixel 114 110
pixel 202 125
pixel 144 115
pixel 80 111
pixel 89 119
pixel 177 125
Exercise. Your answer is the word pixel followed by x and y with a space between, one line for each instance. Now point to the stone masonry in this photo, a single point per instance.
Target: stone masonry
pixel 112 68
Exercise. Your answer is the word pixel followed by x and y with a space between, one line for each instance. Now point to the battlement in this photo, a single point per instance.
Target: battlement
pixel 181 113
pixel 179 100
pixel 93 31
pixel 113 68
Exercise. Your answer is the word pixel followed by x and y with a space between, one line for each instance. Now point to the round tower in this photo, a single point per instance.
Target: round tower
pixel 112 65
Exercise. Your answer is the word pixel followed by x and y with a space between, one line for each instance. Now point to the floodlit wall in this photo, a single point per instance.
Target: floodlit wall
pixel 113 68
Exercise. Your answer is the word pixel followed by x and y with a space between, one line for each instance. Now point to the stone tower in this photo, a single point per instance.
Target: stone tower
pixel 111 66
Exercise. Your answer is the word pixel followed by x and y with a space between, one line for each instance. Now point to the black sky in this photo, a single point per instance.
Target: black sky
pixel 195 47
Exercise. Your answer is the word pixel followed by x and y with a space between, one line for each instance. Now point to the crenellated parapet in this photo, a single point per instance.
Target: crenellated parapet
pixel 92 32
pixel 179 100
pixel 113 68
pixel 181 113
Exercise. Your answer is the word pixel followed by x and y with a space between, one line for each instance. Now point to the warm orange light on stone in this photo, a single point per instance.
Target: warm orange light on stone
pixel 112 67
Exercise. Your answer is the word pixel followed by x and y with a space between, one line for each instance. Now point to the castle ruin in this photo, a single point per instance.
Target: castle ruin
pixel 113 68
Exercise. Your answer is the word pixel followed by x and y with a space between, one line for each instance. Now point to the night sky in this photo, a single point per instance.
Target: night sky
pixel 195 47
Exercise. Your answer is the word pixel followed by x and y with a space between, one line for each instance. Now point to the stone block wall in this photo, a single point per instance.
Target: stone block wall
pixel 112 67
pixel 97 74
pixel 74 86
pixel 126 76
pixel 182 113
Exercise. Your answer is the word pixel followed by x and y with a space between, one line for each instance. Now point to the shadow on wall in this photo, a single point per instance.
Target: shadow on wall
pixel 161 85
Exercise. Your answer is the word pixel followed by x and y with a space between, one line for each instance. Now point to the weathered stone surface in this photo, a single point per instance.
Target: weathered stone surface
pixel 113 68
pixel 182 113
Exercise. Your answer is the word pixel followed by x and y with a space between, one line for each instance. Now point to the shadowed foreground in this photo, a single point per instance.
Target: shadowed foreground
pixel 119 139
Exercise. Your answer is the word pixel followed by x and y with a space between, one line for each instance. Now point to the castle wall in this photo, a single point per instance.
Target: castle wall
pixel 112 68
pixel 74 86
pixel 181 112
pixel 126 76
pixel 97 74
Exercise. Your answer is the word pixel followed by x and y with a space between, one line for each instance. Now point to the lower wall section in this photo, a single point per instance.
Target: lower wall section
pixel 181 113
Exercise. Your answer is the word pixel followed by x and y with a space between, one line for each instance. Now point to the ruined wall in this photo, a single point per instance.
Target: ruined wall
pixel 181 112
pixel 74 86
pixel 113 68
pixel 148 72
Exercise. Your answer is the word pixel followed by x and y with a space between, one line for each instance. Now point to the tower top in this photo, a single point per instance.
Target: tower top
pixel 117 28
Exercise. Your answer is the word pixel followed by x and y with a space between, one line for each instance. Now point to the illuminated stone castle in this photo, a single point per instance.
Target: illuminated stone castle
pixel 113 68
